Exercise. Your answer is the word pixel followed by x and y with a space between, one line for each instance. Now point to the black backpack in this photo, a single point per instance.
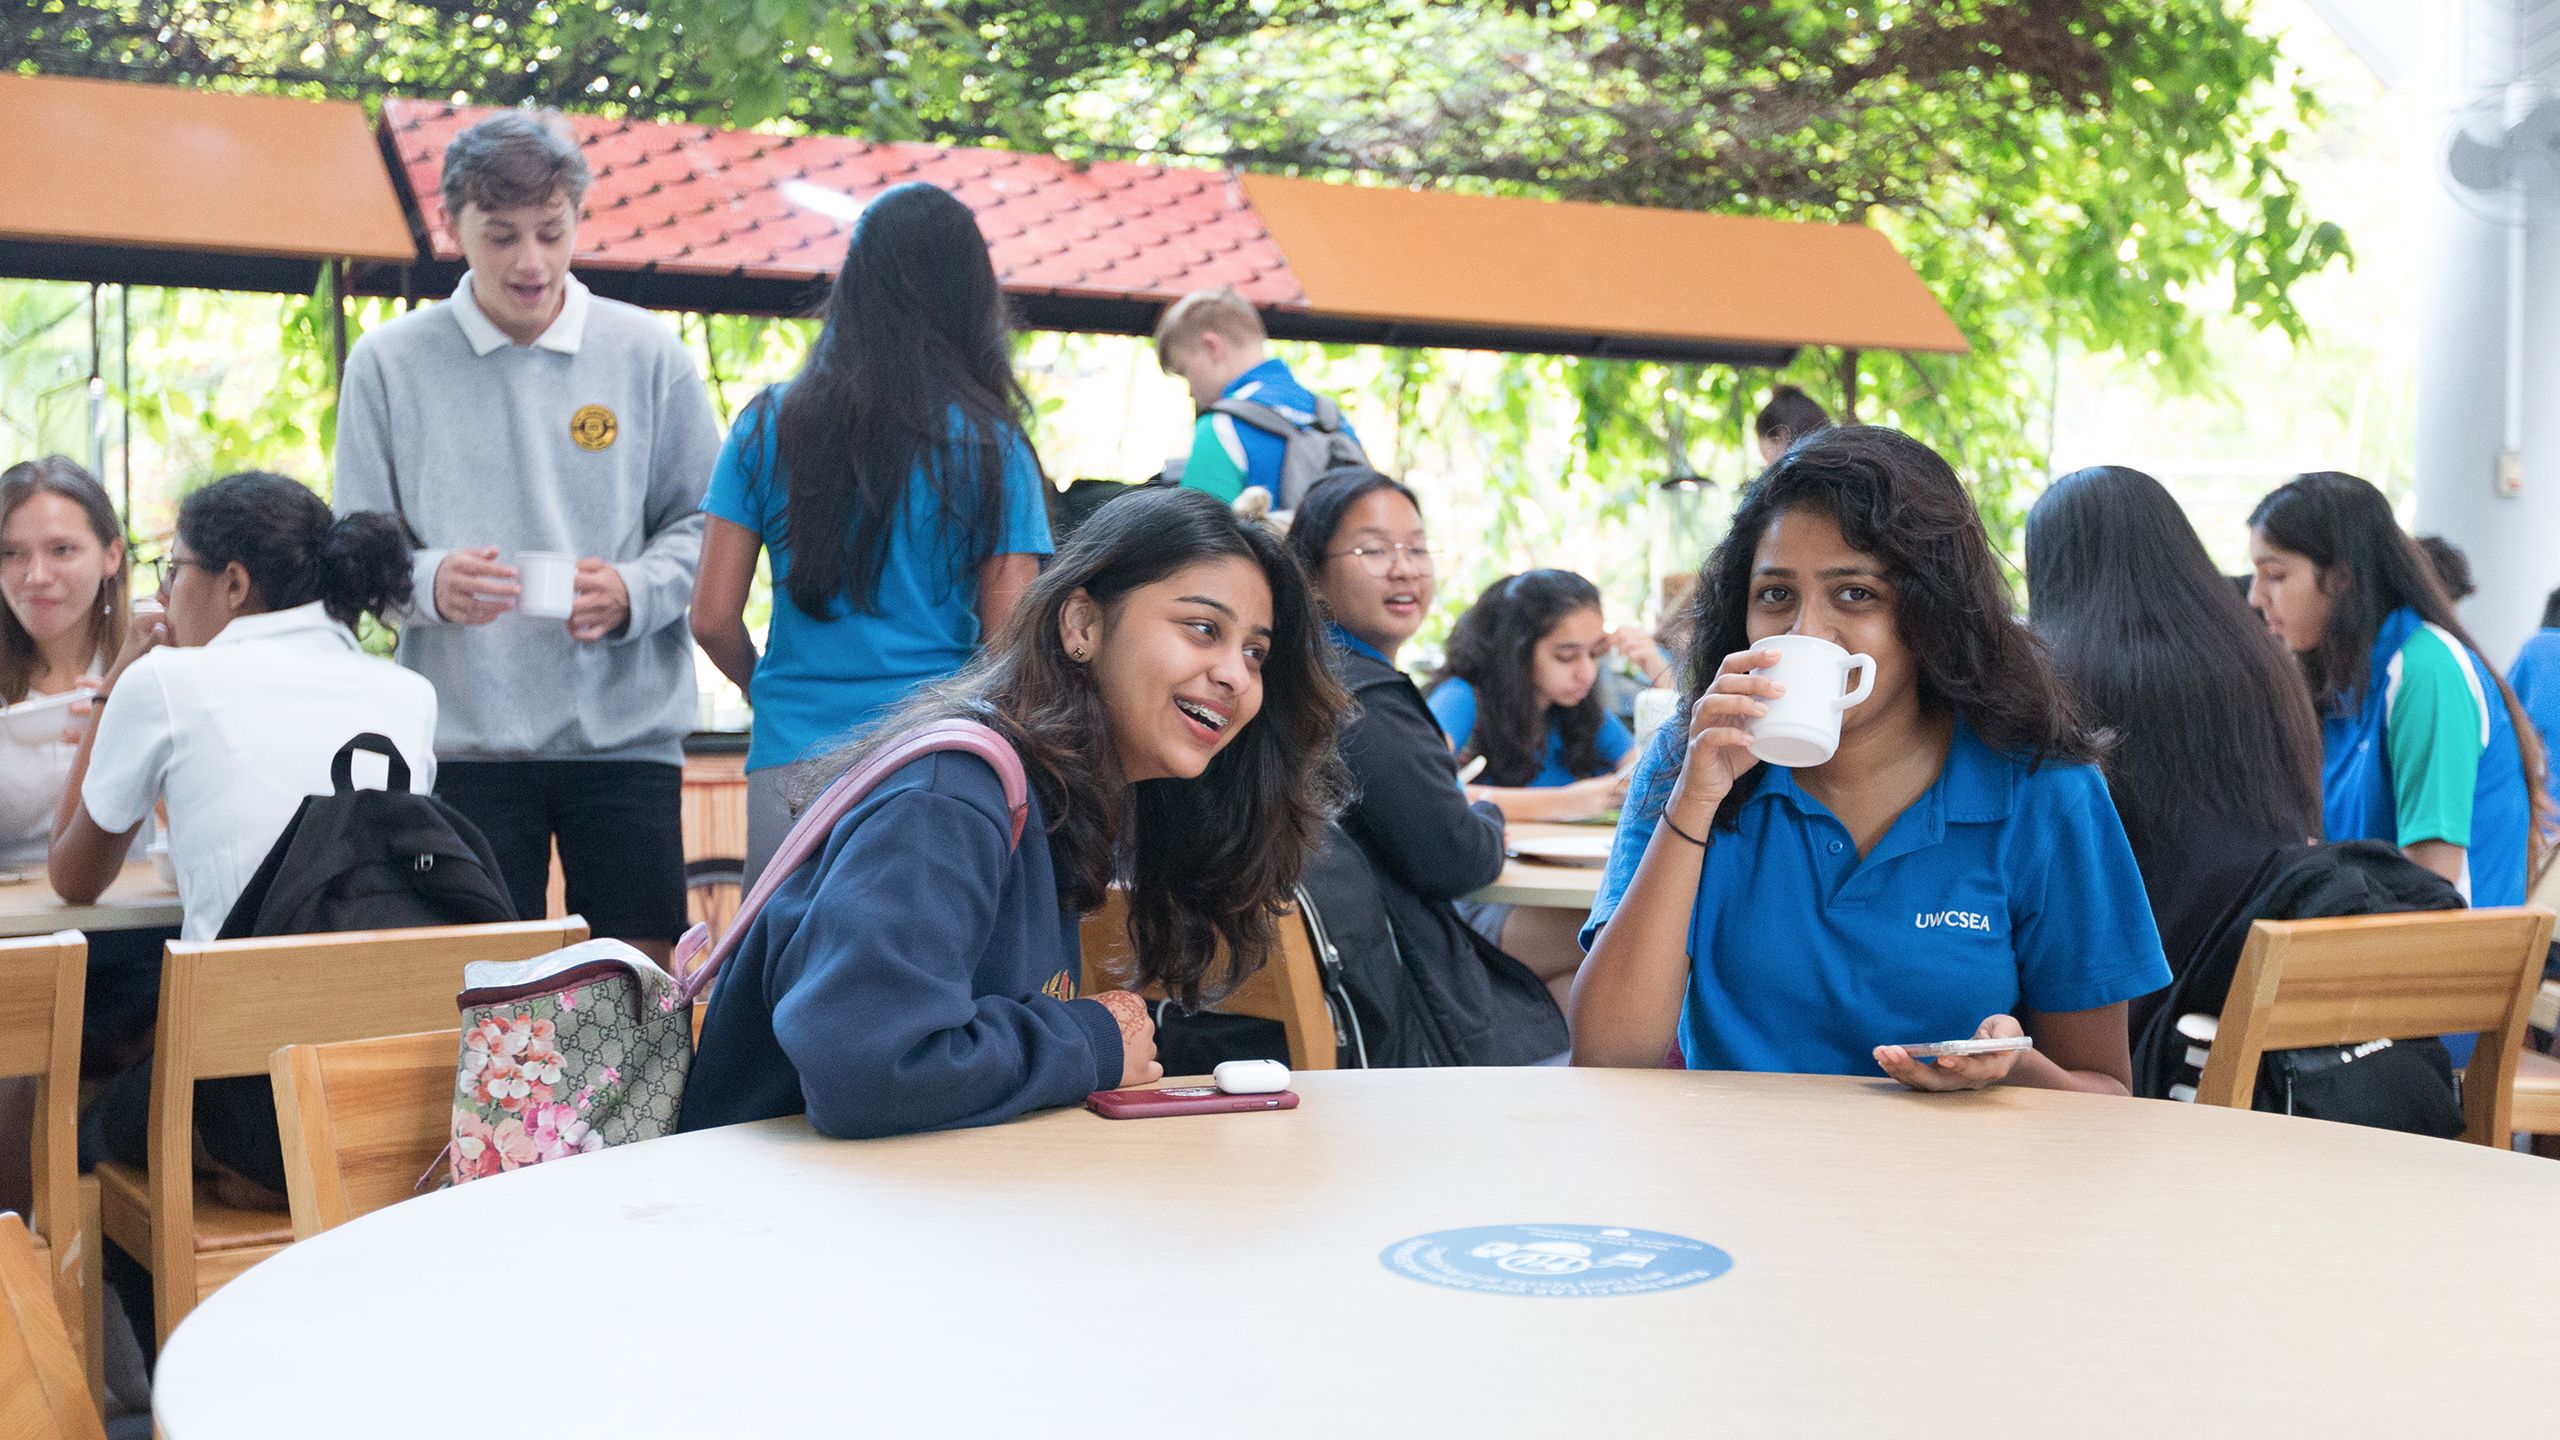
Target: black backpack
pixel 1381 1018
pixel 2403 1084
pixel 388 859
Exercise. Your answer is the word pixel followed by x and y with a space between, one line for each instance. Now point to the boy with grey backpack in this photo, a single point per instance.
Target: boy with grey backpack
pixel 1258 428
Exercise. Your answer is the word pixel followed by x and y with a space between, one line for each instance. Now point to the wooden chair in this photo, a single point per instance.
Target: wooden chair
pixel 364 1120
pixel 42 981
pixel 225 1008
pixel 1289 989
pixel 42 1392
pixel 2386 977
pixel 2536 1099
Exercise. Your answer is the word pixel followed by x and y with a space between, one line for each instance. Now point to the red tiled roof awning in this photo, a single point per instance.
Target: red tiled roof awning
pixel 154 185
pixel 692 217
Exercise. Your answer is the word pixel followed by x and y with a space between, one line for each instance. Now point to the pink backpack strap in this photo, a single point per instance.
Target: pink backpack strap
pixel 809 833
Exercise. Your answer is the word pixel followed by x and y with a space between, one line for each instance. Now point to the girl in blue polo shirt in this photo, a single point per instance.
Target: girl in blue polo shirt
pixel 2422 746
pixel 1520 690
pixel 1168 687
pixel 891 485
pixel 1955 869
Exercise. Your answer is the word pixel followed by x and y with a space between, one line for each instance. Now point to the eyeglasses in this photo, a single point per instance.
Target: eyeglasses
pixel 1380 560
pixel 165 570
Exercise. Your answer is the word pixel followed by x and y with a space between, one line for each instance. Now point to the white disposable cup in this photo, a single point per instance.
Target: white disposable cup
pixel 1653 707
pixel 1803 725
pixel 548 583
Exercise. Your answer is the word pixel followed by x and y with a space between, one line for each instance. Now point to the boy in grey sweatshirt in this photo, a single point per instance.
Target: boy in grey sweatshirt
pixel 526 414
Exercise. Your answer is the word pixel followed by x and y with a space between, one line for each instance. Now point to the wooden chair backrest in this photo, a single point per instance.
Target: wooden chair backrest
pixel 2345 981
pixel 364 1120
pixel 42 980
pixel 1289 989
pixel 42 1392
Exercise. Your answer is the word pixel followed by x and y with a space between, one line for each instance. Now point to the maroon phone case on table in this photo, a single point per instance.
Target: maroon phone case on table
pixel 1182 1100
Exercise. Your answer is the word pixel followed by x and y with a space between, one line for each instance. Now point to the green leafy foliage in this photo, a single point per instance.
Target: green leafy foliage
pixel 2095 174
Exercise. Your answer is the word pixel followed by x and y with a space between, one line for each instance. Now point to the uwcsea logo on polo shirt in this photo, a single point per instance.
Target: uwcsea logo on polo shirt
pixel 1952 920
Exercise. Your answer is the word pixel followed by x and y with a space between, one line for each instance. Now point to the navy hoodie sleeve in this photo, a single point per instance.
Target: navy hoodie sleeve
pixel 877 997
pixel 1411 808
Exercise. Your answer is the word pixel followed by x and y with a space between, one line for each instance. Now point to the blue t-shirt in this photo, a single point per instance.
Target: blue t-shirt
pixel 1453 704
pixel 820 680
pixel 2001 888
pixel 2536 681
pixel 2427 753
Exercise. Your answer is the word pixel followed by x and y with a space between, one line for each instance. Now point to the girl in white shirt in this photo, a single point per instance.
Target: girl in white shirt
pixel 63 609
pixel 233 704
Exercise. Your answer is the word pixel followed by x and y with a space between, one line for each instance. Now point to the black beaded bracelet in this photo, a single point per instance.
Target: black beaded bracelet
pixel 1668 824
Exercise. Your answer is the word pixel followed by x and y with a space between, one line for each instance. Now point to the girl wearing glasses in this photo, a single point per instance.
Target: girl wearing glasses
pixel 1360 535
pixel 233 703
pixel 62 578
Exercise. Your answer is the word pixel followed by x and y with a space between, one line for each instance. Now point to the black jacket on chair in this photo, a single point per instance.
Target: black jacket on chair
pixel 1428 846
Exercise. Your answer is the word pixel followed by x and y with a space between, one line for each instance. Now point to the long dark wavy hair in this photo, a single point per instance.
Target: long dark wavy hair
pixel 2205 713
pixel 294 550
pixel 1209 859
pixel 63 476
pixel 1493 647
pixel 2370 567
pixel 911 375
pixel 1896 500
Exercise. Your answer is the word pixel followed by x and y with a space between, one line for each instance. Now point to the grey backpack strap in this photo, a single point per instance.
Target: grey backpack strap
pixel 1256 414
pixel 1328 415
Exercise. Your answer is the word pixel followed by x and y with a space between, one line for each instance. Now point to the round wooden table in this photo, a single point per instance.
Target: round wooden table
pixel 2007 1263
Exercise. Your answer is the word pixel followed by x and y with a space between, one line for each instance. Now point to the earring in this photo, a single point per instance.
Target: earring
pixel 1079 655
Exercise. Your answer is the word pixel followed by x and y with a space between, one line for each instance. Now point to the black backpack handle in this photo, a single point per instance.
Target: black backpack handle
pixel 342 770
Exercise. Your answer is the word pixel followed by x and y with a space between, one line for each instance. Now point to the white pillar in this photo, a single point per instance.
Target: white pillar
pixel 2505 53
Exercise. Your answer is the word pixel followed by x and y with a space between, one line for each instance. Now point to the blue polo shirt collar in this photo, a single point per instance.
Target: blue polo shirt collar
pixel 1976 785
pixel 1358 646
pixel 1268 372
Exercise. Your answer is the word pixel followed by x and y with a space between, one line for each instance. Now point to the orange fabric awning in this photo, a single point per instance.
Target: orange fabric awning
pixel 154 184
pixel 1605 277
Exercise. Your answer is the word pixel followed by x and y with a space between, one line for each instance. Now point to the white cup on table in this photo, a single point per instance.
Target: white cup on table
pixel 1803 725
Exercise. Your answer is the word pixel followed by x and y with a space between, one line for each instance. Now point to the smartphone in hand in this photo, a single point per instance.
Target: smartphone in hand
pixel 1993 1045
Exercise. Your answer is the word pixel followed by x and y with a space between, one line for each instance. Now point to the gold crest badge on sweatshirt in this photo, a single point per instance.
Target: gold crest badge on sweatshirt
pixel 593 427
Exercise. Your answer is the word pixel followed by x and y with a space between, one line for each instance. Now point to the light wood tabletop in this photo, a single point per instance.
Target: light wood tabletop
pixel 139 900
pixel 2008 1263
pixel 1527 881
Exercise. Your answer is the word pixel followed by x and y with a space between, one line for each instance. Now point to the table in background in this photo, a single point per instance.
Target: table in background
pixel 138 900
pixel 1528 882
pixel 2004 1263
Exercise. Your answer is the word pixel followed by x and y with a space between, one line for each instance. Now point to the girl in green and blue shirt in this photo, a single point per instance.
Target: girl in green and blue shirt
pixel 2422 746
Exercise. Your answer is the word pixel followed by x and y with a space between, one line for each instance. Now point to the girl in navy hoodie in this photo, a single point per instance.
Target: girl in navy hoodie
pixel 1167 686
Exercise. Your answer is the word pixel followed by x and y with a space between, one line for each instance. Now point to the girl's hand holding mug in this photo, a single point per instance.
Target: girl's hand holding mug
pixel 1956 1072
pixel 1719 743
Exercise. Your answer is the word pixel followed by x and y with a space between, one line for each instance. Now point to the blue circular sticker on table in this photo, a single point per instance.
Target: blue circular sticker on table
pixel 1556 1261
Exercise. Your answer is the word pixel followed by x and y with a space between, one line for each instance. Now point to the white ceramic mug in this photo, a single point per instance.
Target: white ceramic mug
pixel 548 581
pixel 1803 726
